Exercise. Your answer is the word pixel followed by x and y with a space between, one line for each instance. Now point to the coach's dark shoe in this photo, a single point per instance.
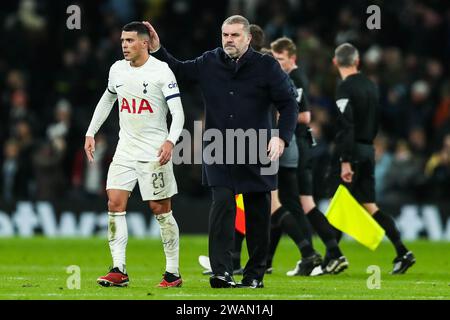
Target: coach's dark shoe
pixel 250 283
pixel 305 266
pixel 335 266
pixel 222 281
pixel 403 263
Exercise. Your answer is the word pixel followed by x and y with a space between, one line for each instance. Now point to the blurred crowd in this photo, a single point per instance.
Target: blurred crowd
pixel 51 79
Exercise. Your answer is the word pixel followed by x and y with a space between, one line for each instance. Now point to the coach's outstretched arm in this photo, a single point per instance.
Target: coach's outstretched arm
pixel 188 70
pixel 101 112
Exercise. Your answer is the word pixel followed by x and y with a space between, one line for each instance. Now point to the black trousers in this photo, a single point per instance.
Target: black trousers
pixel 221 231
pixel 362 186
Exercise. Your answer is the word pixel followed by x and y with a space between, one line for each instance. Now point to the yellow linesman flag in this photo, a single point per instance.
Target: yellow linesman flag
pixel 347 215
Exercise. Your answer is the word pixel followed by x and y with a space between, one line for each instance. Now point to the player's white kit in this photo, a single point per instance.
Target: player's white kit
pixel 145 94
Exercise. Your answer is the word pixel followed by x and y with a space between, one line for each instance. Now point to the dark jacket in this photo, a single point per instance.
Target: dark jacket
pixel 239 95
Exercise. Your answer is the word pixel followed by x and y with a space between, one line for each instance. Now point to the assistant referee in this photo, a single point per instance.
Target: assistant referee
pixel 354 161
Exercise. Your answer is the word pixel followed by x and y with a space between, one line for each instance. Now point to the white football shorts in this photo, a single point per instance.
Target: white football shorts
pixel 156 182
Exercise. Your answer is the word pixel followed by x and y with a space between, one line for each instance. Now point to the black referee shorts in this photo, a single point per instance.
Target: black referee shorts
pixel 363 182
pixel 304 168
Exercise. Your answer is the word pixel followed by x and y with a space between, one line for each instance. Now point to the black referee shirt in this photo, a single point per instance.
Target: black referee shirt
pixel 298 78
pixel 357 102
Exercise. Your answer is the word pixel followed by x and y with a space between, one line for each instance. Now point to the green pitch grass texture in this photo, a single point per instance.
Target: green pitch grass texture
pixel 36 268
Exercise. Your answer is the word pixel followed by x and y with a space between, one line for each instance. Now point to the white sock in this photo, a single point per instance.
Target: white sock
pixel 170 238
pixel 118 238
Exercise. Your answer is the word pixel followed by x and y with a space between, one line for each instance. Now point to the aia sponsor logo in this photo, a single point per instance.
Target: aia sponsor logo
pixel 144 105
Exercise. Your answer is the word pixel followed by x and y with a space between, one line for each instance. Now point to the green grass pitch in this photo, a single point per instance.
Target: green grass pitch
pixel 36 268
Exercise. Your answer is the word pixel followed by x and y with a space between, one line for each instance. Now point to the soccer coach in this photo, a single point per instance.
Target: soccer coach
pixel 239 85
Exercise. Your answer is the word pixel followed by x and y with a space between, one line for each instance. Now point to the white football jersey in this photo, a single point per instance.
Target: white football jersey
pixel 142 94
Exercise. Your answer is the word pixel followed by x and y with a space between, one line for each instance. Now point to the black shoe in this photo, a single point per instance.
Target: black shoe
pixel 335 266
pixel 222 281
pixel 403 263
pixel 305 266
pixel 252 284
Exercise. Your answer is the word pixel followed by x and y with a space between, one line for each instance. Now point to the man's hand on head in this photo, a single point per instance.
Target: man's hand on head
pixel 154 43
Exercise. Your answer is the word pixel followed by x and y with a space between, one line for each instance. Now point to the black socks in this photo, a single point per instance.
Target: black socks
pixel 388 224
pixel 275 235
pixel 325 231
pixel 288 223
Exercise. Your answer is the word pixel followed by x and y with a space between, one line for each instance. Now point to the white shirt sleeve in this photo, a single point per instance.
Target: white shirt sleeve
pixel 176 127
pixel 101 112
pixel 169 84
pixel 105 104
pixel 111 77
pixel 171 93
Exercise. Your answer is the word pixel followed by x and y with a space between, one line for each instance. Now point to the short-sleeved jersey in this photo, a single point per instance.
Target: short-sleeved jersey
pixel 142 94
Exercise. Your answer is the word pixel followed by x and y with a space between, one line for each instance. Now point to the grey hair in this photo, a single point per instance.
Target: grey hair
pixel 237 19
pixel 346 55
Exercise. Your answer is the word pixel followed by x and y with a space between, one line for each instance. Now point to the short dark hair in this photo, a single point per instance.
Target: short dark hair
pixel 258 37
pixel 346 55
pixel 137 26
pixel 282 44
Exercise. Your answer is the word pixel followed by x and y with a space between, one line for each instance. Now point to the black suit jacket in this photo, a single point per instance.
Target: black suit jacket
pixel 239 95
